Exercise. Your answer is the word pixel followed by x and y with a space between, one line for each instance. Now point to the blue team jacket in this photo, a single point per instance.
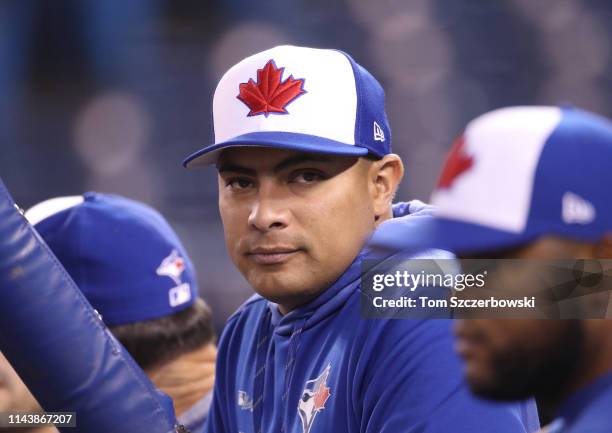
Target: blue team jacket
pixel 587 410
pixel 322 368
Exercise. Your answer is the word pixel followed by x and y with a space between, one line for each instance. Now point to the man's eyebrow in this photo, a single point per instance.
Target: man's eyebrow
pixel 286 163
pixel 299 159
pixel 235 168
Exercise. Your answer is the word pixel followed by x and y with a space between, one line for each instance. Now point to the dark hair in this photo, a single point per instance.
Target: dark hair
pixel 155 342
pixel 372 157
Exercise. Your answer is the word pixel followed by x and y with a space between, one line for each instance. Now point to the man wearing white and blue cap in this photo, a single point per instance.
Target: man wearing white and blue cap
pixel 306 174
pixel 133 269
pixel 530 183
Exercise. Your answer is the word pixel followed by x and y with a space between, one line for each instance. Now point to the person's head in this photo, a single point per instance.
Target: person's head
pixel 303 151
pixel 516 358
pixel 527 183
pixel 134 271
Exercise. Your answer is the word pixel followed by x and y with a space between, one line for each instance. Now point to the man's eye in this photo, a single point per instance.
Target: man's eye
pixel 307 177
pixel 239 183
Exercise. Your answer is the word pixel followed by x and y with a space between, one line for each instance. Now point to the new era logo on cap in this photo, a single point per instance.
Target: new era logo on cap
pixel 379 134
pixel 298 98
pixel 577 210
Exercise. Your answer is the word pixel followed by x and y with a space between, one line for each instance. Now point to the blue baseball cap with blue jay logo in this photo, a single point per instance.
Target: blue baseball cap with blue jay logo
pixel 122 254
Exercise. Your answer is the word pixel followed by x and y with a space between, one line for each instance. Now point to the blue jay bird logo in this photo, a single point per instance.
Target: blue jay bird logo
pixel 172 266
pixel 315 395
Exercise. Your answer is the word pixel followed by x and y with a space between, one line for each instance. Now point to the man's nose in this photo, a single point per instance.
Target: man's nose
pixel 270 210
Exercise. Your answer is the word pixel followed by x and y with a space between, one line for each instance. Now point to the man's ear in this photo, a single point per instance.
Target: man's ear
pixel 603 248
pixel 385 176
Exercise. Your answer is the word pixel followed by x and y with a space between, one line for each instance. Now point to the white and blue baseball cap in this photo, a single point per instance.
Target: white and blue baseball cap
pixel 298 98
pixel 122 254
pixel 514 175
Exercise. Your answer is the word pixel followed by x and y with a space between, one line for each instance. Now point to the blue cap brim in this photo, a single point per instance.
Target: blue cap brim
pixel 279 140
pixel 419 234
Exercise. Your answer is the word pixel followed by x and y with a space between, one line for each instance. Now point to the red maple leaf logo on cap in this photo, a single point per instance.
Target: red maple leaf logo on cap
pixel 270 94
pixel 457 163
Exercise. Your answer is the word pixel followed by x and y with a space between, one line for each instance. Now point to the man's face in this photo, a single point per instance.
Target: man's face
pixel 511 359
pixel 516 358
pixel 293 221
pixel 14 396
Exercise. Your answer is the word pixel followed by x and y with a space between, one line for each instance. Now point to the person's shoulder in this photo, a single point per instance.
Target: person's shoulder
pixel 253 307
pixel 240 331
pixel 595 416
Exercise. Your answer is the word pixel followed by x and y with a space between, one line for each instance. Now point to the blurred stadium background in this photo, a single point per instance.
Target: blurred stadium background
pixel 112 95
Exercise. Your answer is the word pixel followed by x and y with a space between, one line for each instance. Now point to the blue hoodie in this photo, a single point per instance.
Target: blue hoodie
pixel 587 410
pixel 322 368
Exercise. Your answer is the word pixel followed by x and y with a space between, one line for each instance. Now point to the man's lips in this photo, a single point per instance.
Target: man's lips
pixel 272 255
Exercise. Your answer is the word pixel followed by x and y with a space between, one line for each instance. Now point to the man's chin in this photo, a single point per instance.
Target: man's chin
pixel 283 292
pixel 289 297
pixel 494 389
